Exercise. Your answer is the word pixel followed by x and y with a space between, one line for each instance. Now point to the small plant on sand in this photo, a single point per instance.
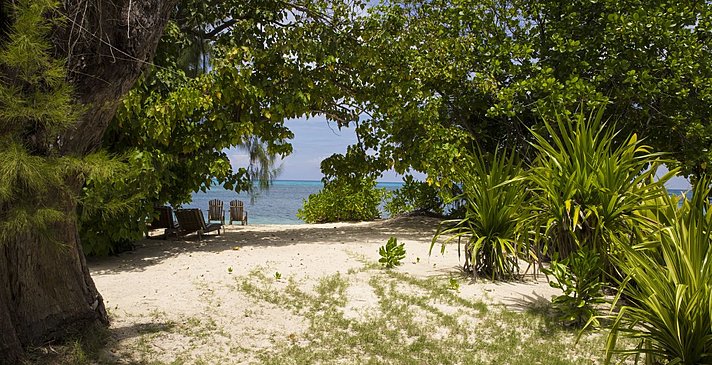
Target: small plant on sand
pixel 493 193
pixel 578 277
pixel 229 269
pixel 453 284
pixel 392 253
pixel 277 275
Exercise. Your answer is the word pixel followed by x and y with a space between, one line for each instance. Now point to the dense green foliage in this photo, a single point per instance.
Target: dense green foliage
pixel 35 107
pixel 223 77
pixel 434 76
pixel 588 189
pixel 596 204
pixel 668 284
pixel 112 213
pixel 579 278
pixel 495 198
pixel 392 253
pixel 420 80
pixel 340 200
pixel 414 196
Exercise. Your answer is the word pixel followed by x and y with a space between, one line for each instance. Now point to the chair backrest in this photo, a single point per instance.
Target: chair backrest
pixel 237 210
pixel 164 219
pixel 190 220
pixel 215 210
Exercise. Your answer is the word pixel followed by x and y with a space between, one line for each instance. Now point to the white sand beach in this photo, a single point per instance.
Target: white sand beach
pixel 182 299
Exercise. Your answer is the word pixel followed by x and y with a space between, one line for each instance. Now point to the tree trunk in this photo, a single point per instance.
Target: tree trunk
pixel 107 44
pixel 46 291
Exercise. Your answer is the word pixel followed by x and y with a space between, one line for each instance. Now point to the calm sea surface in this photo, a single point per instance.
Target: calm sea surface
pixel 278 205
pixel 685 192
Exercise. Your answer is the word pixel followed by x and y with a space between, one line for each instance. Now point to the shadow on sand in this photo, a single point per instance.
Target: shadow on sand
pixel 149 252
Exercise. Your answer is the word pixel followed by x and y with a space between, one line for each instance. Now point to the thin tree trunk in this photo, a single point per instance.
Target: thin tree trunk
pixel 46 291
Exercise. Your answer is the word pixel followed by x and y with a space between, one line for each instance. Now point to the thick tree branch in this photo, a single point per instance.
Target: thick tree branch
pixel 112 41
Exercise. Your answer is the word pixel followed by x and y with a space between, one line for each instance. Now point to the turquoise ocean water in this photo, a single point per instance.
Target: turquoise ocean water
pixel 278 205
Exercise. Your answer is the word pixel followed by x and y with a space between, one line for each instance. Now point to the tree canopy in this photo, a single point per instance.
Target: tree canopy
pixel 225 74
pixel 424 82
pixel 435 79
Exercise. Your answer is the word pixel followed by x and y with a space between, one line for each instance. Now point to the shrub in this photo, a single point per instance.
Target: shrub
pixel 392 253
pixel 112 211
pixel 414 196
pixel 668 284
pixel 578 276
pixel 494 196
pixel 588 185
pixel 343 200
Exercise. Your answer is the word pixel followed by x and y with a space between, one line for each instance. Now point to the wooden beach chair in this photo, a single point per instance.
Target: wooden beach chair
pixel 192 220
pixel 164 220
pixel 216 212
pixel 238 212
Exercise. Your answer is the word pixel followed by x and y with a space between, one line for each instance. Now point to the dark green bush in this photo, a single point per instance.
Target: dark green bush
pixel 343 200
pixel 414 196
pixel 588 187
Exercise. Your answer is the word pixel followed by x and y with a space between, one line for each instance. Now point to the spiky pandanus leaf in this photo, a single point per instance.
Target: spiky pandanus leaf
pixel 668 284
pixel 494 193
pixel 589 184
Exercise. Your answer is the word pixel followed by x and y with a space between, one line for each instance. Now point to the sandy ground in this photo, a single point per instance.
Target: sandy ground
pixel 164 282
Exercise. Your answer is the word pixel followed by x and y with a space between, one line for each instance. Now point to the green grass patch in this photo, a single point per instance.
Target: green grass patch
pixel 80 348
pixel 415 321
pixel 365 316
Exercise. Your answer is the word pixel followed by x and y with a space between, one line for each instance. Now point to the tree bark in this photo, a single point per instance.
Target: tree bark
pixel 107 45
pixel 46 291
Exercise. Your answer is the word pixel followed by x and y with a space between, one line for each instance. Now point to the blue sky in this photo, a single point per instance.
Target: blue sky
pixel 315 139
pixel 677 182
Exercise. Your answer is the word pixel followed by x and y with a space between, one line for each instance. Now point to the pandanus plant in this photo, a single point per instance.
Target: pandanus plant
pixel 494 195
pixel 667 284
pixel 589 185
